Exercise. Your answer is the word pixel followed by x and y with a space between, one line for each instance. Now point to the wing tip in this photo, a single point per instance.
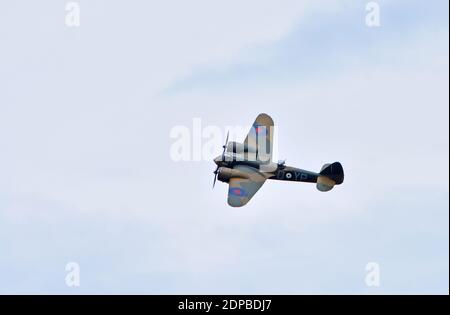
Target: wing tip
pixel 236 203
pixel 264 119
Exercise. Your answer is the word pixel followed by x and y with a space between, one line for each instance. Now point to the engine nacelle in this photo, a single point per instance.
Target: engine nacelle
pixel 225 173
pixel 239 148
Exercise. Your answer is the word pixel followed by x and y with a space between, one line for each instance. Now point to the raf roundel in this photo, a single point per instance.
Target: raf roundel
pixel 261 130
pixel 237 192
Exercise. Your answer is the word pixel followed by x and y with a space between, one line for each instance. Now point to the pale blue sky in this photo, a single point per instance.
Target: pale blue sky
pixel 85 171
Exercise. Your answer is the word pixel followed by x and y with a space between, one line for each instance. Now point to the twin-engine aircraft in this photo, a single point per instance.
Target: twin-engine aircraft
pixel 246 166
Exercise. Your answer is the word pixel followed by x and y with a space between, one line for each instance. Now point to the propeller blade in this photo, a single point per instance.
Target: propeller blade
pixel 216 172
pixel 226 141
pixel 225 146
pixel 215 178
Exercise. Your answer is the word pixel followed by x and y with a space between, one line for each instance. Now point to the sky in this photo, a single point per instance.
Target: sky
pixel 86 174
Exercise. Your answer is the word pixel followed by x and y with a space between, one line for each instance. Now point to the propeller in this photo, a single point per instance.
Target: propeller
pixel 225 146
pixel 216 172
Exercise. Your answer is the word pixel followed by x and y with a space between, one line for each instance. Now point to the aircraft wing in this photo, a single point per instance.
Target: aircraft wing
pixel 241 190
pixel 260 137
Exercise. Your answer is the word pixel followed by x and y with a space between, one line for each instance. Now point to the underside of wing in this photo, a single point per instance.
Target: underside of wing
pixel 241 190
pixel 260 137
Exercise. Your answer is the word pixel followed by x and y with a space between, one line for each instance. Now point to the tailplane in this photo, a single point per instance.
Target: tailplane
pixel 330 175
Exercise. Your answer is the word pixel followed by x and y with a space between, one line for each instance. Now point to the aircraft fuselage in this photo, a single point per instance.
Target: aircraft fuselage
pixel 271 170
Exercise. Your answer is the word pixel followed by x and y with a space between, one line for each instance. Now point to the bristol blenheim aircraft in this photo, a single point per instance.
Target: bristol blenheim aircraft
pixel 246 166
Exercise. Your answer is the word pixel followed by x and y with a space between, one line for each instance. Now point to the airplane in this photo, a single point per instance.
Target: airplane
pixel 246 166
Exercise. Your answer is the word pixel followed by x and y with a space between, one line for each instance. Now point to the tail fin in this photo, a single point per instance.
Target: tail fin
pixel 330 175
